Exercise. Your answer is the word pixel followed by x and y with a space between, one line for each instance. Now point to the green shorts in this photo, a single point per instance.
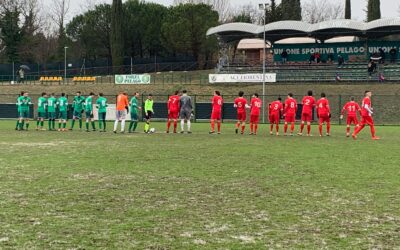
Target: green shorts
pixel 52 115
pixel 42 115
pixel 102 116
pixel 62 115
pixel 89 114
pixel 77 114
pixel 24 114
pixel 134 117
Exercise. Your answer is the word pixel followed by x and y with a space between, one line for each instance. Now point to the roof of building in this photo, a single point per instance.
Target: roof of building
pixel 322 31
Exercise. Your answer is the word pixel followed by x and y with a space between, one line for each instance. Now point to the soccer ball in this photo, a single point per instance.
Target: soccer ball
pixel 152 130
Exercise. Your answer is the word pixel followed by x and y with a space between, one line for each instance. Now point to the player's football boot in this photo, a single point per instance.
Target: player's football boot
pixel 277 133
pixel 211 132
pixel 354 136
pixel 375 138
pixel 347 134
pixel 327 134
pixel 236 131
pixel 300 134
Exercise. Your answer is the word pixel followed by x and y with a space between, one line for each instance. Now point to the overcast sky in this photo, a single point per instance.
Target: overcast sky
pixel 389 8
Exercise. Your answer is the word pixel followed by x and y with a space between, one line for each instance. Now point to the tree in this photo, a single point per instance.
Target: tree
pixel 184 30
pixel 273 13
pixel 245 14
pixel 374 10
pixel 11 33
pixel 347 11
pixel 117 39
pixel 59 11
pixel 291 10
pixel 223 7
pixel 315 11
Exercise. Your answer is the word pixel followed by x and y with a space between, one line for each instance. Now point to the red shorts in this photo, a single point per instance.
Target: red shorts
pixel 254 119
pixel 367 120
pixel 324 118
pixel 173 115
pixel 241 116
pixel 352 120
pixel 307 117
pixel 216 115
pixel 290 118
pixel 274 118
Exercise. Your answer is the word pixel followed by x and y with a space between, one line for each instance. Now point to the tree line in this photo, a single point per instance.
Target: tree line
pixel 139 29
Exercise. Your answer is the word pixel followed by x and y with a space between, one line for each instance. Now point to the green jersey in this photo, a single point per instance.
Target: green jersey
pixel 134 105
pixel 148 105
pixel 78 103
pixel 51 104
pixel 89 103
pixel 102 104
pixel 42 102
pixel 62 104
pixel 24 103
pixel 19 100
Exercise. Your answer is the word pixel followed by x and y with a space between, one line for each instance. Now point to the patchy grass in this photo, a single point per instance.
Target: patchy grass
pixel 81 190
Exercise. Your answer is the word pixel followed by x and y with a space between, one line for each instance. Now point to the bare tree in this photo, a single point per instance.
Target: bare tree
pixel 249 10
pixel 58 13
pixel 223 7
pixel 315 11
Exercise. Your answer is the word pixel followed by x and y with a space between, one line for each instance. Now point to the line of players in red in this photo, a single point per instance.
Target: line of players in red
pixel 289 109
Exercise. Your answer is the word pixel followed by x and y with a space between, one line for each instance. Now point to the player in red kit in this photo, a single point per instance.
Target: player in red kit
pixel 173 110
pixel 255 106
pixel 290 111
pixel 216 115
pixel 306 114
pixel 366 116
pixel 324 114
pixel 351 108
pixel 241 105
pixel 275 110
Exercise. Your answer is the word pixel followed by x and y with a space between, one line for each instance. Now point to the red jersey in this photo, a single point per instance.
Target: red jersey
pixel 275 107
pixel 290 106
pixel 308 104
pixel 240 103
pixel 352 108
pixel 366 106
pixel 173 103
pixel 256 105
pixel 217 103
pixel 323 107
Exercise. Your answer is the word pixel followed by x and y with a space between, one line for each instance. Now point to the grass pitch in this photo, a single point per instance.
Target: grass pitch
pixel 78 190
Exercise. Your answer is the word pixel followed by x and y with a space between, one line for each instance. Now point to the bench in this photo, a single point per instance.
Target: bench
pixel 84 79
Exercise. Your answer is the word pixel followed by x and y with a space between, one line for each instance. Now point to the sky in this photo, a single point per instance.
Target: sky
pixel 389 8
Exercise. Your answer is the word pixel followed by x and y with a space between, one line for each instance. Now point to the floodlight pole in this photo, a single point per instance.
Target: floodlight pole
pixel 264 7
pixel 65 64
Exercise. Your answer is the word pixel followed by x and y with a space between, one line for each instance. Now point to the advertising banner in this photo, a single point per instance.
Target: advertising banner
pixel 236 78
pixel 132 79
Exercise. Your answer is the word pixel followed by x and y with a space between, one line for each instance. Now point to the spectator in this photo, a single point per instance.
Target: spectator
pixel 21 74
pixel 340 61
pixel 393 55
pixel 382 55
pixel 317 57
pixel 284 56
pixel 312 58
pixel 371 67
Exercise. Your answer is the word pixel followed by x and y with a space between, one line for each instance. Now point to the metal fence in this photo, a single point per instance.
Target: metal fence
pixel 386 107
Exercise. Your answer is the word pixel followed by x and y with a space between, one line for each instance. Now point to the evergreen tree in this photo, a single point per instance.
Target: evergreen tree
pixel 347 10
pixel 11 34
pixel 291 10
pixel 117 40
pixel 374 10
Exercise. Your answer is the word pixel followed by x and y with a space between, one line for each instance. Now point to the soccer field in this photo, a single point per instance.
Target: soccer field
pixel 79 190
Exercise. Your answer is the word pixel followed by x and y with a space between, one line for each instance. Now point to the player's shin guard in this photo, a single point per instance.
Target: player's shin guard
pixel 146 127
pixel 175 125
pixel 41 123
pixel 358 129
pixel 348 129
pixel 251 128
pixel 123 125
pixel 372 128
pixel 72 123
pixel 212 125
pixel 219 126
pixel 130 126
pixel 301 127
pixel 277 128
pixel 93 126
pixel 17 125
pixel 243 127
pixel 285 127
pixel 168 124
pixel 182 125
pixel 237 124
pixel 135 125
pixel 115 125
pixel 292 127
pixel 271 127
pixel 308 128
pixel 49 123
pixel 328 128
pixel 80 123
pixel 87 125
pixel 255 128
pixel 320 129
pixel 189 125
pixel 104 124
pixel 37 123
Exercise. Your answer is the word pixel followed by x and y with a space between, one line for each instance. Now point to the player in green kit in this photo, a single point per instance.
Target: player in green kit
pixel 101 105
pixel 41 106
pixel 77 106
pixel 62 104
pixel 134 113
pixel 148 109
pixel 24 104
pixel 89 112
pixel 51 111
pixel 19 108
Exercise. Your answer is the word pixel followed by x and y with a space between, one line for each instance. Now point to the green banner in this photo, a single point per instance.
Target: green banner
pixel 362 50
pixel 132 79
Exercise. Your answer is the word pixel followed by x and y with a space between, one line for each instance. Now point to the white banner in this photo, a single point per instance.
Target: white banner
pixel 132 79
pixel 111 113
pixel 232 78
